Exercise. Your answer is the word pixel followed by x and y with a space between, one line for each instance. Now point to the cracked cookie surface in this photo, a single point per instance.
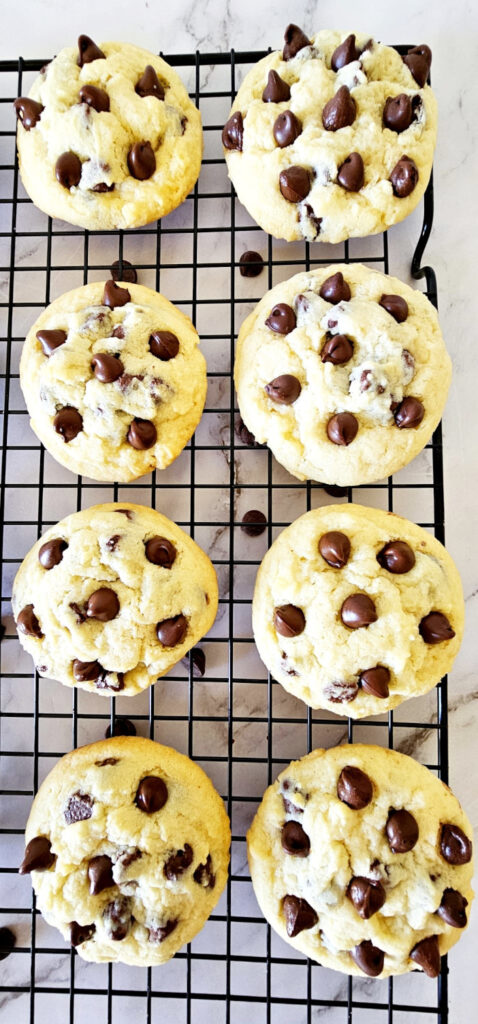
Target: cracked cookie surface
pixel 128 846
pixel 327 147
pixel 356 610
pixel 113 143
pixel 114 380
pixel 343 373
pixel 362 859
pixel 112 597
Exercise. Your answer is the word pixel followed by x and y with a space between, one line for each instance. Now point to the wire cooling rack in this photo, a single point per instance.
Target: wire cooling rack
pixel 235 720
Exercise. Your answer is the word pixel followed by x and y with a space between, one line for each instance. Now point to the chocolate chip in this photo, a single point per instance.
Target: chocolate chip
pixel 253 523
pixel 102 187
pixel 88 51
pixel 178 863
pixel 284 390
pixel 125 512
pixel 374 681
pixel 117 918
pixel 396 557
pixel 369 958
pixel 68 423
pixel 452 908
pixel 118 332
pixel 107 368
pixel 404 177
pixel 335 289
pixel 294 840
pixel 100 874
pixel 107 761
pixel 68 169
pixel 354 788
pixel 340 111
pixel 51 552
pixel 289 806
pixel 123 271
pixel 367 896
pixel 418 61
pixel 87 671
pixel 198 659
pixel 114 296
pixel 142 434
pixel 342 428
pixel 106 682
pixel 103 605
pixel 396 306
pixel 160 551
pixel 164 345
pixel 38 856
pixel 204 874
pixel 51 340
pixel 338 349
pixel 340 692
pixel 7 942
pixel 344 54
pixel 151 794
pixel 351 173
pixel 335 548
pixel 276 90
pixel 28 111
pixel 455 846
pixel 294 40
pixel 244 434
pixel 287 129
pixel 141 161
pixel 398 113
pixel 409 413
pixel 288 620
pixel 121 727
pixel 28 623
pixel 295 183
pixel 281 319
pixel 80 933
pixel 427 955
pixel 78 808
pixel 233 132
pixel 299 915
pixel 159 934
pixel 251 264
pixel 149 84
pixel 316 222
pixel 402 831
pixel 94 97
pixel 435 628
pixel 172 631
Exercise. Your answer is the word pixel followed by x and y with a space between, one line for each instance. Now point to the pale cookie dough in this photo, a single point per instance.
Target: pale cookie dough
pixel 112 597
pixel 343 372
pixel 356 609
pixel 362 859
pixel 114 143
pixel 128 847
pixel 114 380
pixel 294 175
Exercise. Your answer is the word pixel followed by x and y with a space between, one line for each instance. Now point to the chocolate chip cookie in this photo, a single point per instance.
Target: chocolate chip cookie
pixel 127 844
pixel 114 380
pixel 343 372
pixel 333 137
pixel 108 137
pixel 362 859
pixel 112 597
pixel 356 609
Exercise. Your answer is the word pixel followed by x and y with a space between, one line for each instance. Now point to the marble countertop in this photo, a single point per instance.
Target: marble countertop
pixel 39 28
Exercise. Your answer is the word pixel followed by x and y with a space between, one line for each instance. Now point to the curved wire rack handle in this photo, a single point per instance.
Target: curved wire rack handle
pixel 427 272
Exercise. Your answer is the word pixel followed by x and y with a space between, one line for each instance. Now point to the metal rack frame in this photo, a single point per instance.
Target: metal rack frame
pixel 227 1004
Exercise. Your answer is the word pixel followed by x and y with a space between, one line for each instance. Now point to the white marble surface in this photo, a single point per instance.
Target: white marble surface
pixel 38 28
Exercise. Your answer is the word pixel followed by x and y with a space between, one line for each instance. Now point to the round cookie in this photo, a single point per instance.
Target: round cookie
pixel 356 609
pixel 343 372
pixel 114 380
pixel 108 137
pixel 333 138
pixel 112 597
pixel 128 848
pixel 362 859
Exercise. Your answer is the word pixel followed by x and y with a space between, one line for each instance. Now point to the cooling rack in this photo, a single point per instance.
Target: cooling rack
pixel 235 720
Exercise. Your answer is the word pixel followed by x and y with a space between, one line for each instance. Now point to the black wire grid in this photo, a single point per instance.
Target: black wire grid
pixel 236 721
